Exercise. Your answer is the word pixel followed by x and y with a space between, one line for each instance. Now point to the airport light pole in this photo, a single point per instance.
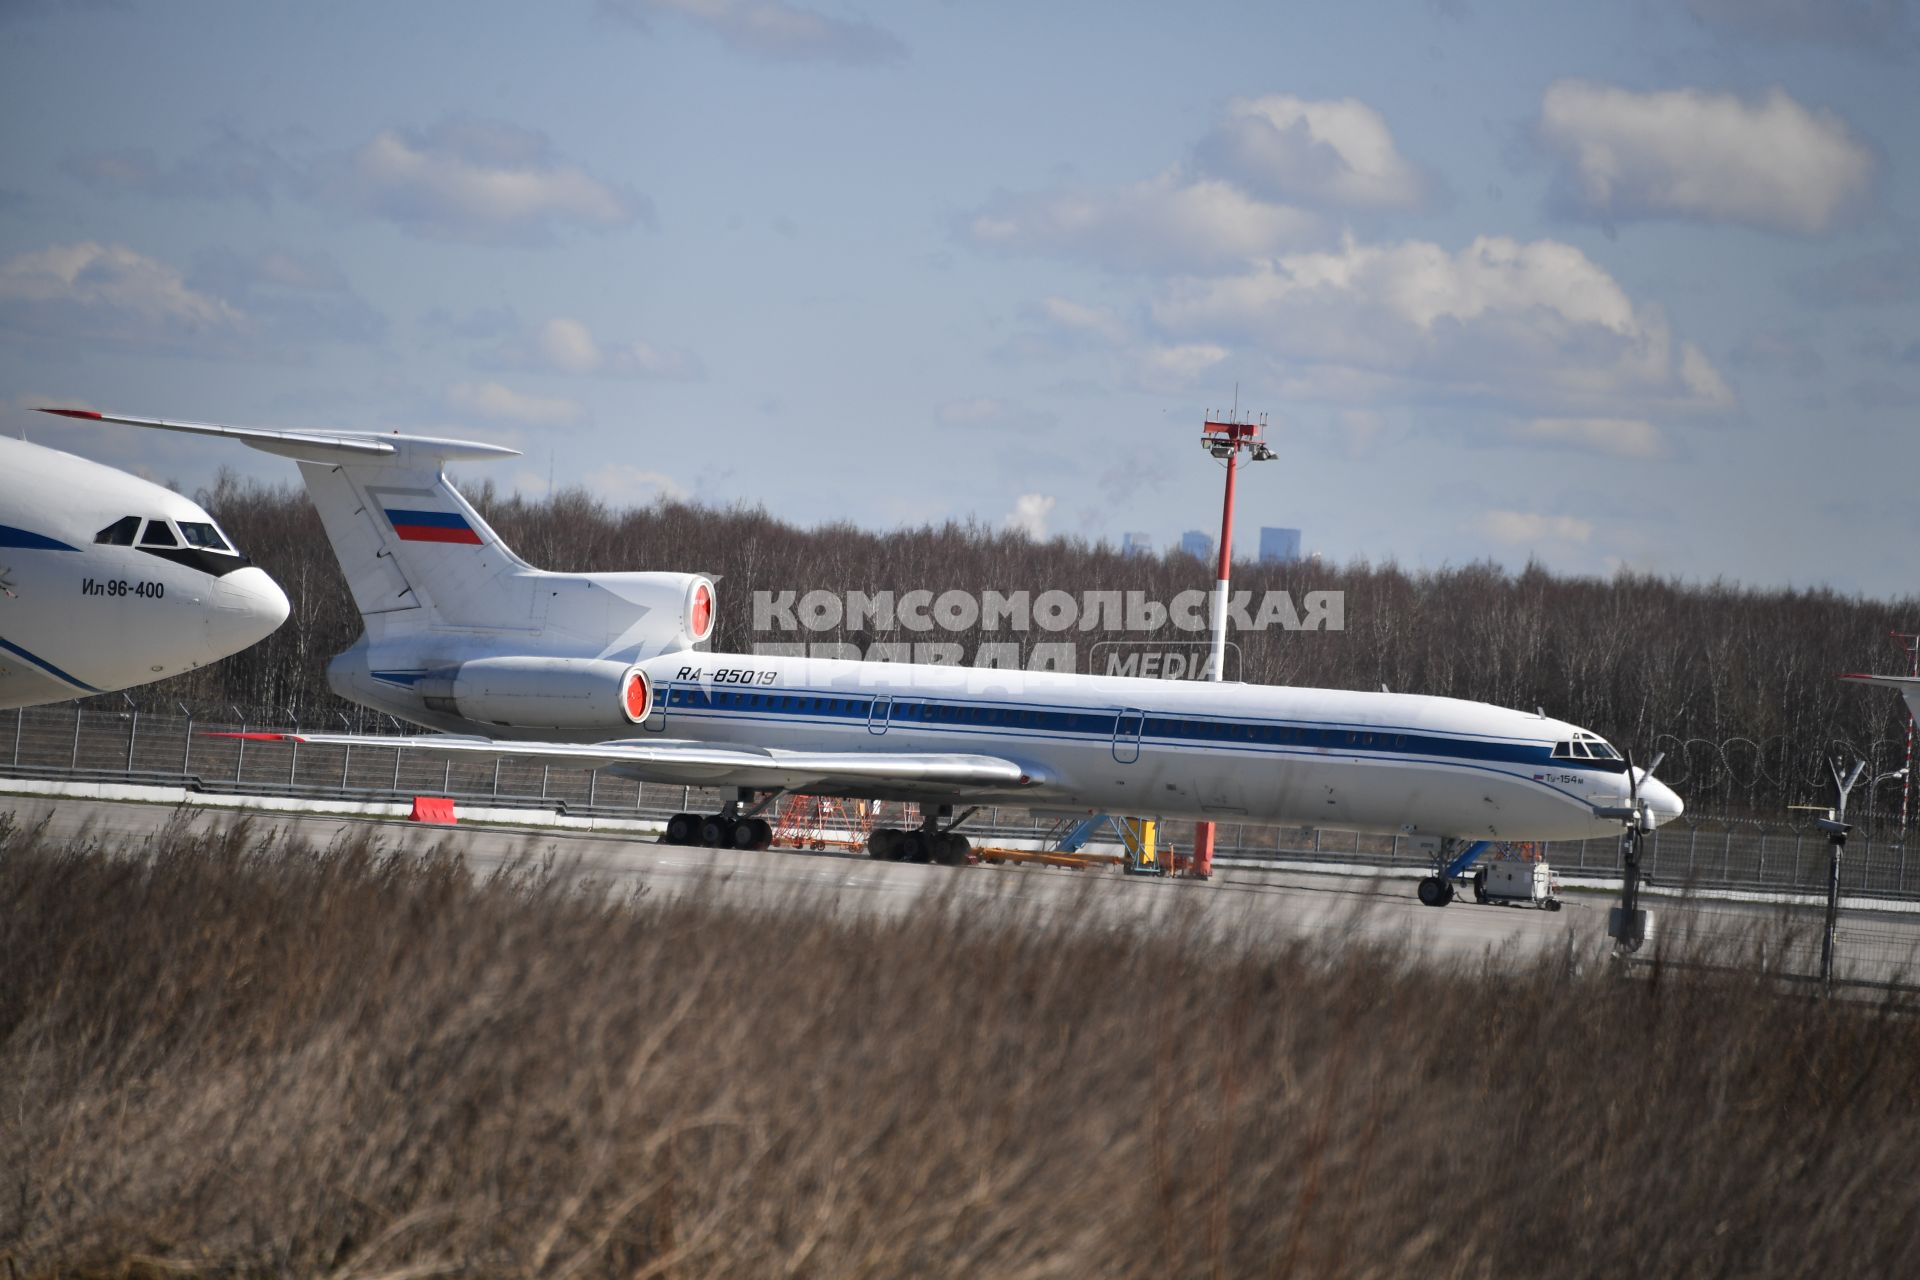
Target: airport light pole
pixel 1837 828
pixel 1225 439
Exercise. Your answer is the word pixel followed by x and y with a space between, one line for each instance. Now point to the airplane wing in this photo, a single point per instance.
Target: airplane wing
pixel 705 764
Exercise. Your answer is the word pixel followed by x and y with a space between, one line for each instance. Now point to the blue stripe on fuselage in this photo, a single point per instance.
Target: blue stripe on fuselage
pixel 28 540
pixel 45 666
pixel 1055 723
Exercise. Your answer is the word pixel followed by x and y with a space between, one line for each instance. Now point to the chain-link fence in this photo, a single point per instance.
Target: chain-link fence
pixel 70 741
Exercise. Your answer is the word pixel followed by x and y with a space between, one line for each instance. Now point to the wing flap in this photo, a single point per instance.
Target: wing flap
pixel 709 764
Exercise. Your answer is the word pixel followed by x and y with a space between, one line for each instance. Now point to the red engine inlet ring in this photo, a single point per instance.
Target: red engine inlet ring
pixel 636 697
pixel 701 621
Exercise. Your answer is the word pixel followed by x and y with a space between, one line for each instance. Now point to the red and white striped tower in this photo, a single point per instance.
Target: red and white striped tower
pixel 1224 439
pixel 1911 643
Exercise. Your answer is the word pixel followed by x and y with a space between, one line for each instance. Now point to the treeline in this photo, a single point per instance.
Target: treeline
pixel 1737 685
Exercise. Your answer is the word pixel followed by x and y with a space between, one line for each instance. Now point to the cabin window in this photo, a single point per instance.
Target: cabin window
pixel 120 533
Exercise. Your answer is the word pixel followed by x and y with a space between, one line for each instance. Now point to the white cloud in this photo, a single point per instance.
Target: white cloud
pixel 1522 528
pixel 1499 319
pixel 1029 514
pixel 565 345
pixel 476 180
pixel 1611 437
pixel 775 29
pixel 1164 223
pixel 1079 318
pixel 1329 154
pixel 1170 368
pixel 92 293
pixel 112 277
pixel 624 482
pixel 1250 192
pixel 503 404
pixel 1687 153
pixel 569 347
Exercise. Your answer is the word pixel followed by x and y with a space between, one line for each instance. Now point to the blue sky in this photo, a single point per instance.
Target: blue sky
pixel 1635 284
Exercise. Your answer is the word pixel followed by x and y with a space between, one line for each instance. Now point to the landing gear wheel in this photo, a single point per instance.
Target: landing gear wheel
pixel 916 846
pixel 683 828
pixel 1435 892
pixel 883 844
pixel 716 832
pixel 951 849
pixel 1480 886
pixel 752 833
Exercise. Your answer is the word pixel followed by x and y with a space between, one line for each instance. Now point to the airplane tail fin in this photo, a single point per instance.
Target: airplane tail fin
pixel 1909 687
pixel 413 550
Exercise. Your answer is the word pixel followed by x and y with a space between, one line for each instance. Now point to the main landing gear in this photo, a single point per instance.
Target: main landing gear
pixel 723 830
pixel 925 843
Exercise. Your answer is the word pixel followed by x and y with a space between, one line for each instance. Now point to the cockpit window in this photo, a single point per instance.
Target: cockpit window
pixel 1586 747
pixel 203 535
pixel 120 533
pixel 159 534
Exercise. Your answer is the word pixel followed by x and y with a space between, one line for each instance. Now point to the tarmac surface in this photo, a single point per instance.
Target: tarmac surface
pixel 1236 903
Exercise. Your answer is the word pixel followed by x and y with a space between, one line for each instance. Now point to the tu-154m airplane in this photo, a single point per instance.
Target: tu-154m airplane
pixel 109 581
pixel 601 670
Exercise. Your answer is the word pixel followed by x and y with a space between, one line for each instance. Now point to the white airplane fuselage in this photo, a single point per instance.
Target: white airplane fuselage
pixel 1380 762
pixel 78 616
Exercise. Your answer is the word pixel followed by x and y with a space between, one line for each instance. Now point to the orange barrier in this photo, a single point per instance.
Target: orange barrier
pixel 437 809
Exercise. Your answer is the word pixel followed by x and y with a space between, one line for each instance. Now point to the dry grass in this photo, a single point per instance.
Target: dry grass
pixel 232 1056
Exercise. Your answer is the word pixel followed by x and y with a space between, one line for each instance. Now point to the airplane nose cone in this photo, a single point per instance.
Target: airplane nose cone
pixel 248 606
pixel 1663 805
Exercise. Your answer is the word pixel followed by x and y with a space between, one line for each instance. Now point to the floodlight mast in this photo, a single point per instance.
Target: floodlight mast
pixel 1225 439
pixel 1910 643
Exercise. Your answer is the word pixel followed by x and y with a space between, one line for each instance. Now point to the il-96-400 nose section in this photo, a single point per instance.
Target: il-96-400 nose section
pixel 247 607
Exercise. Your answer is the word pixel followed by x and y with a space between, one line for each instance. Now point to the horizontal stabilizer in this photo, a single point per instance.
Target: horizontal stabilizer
pixel 1909 687
pixel 701 764
pixel 315 446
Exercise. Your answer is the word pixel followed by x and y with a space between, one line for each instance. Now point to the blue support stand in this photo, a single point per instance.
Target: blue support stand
pixel 1081 832
pixel 1458 867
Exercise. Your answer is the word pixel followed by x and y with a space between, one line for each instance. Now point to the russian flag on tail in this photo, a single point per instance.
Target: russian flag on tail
pixel 431 526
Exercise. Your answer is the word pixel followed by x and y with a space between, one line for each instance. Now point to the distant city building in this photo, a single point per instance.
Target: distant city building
pixel 1279 546
pixel 1136 544
pixel 1197 543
